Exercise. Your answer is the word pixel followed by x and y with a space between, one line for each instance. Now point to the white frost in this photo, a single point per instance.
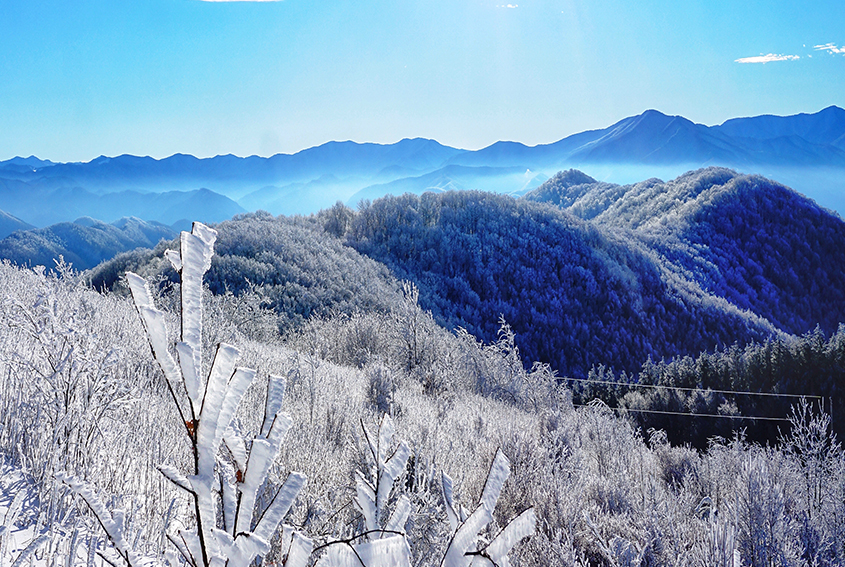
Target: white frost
pixel 520 527
pixel 500 470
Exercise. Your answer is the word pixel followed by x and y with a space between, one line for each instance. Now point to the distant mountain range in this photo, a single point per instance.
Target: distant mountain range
pixel 83 243
pixel 52 200
pixel 807 151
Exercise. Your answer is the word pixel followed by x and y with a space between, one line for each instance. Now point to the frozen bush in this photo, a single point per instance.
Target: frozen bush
pixel 232 525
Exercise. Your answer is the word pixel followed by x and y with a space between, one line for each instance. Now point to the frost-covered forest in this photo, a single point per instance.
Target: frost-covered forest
pixel 495 334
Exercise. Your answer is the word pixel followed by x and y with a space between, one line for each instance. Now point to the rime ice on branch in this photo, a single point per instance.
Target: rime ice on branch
pixel 224 493
pixel 236 538
pixel 212 405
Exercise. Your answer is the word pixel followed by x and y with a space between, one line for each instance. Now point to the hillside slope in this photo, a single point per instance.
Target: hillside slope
pixel 574 293
pixel 748 239
pixel 290 263
pixel 83 243
pixel 10 223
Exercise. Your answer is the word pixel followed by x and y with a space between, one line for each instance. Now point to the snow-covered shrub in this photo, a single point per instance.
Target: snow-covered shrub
pixel 718 547
pixel 406 339
pixel 232 525
pixel 69 373
pixel 381 387
pixel 78 393
pixel 497 370
pixel 350 340
pixel 206 406
pixel 678 465
pixel 818 457
pixel 766 524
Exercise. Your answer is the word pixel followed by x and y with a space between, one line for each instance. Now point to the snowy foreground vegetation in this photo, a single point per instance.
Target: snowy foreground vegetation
pixel 92 422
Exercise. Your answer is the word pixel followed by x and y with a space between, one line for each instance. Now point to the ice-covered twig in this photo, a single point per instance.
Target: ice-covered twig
pixel 30 549
pixel 372 499
pixel 461 552
pixel 390 551
pixel 496 553
pixel 113 523
pixel 298 551
pixel 212 404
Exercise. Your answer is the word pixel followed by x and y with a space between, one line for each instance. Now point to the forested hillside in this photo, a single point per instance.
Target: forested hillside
pixel 574 293
pixel 611 275
pixel 290 265
pixel 749 388
pixel 83 243
pixel 750 240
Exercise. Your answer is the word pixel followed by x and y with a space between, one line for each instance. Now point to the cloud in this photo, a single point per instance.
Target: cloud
pixel 830 48
pixel 507 5
pixel 767 58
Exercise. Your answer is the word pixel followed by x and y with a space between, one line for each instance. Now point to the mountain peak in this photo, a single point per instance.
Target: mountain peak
pixel 655 116
pixel 648 123
pixel 833 109
pixel 31 161
pixel 563 189
pixel 571 177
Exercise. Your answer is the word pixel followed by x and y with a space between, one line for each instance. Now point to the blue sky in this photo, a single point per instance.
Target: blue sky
pixel 155 77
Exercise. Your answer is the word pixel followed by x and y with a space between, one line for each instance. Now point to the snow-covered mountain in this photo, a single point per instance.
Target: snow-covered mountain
pixel 653 137
pixel 83 243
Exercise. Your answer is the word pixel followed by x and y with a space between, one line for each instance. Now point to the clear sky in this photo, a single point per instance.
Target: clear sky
pixel 84 78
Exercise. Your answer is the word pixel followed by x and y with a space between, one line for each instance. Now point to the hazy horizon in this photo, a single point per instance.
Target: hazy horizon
pixel 262 78
pixel 380 143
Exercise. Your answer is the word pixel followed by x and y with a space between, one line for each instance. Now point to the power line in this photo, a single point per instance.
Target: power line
pixel 763 418
pixel 703 390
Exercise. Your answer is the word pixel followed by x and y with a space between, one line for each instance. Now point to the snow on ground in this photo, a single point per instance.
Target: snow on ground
pixel 17 530
pixel 20 526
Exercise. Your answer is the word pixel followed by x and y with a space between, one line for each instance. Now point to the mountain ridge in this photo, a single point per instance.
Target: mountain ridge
pixel 826 126
pixel 796 148
pixel 83 243
pixel 823 127
pixel 744 238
